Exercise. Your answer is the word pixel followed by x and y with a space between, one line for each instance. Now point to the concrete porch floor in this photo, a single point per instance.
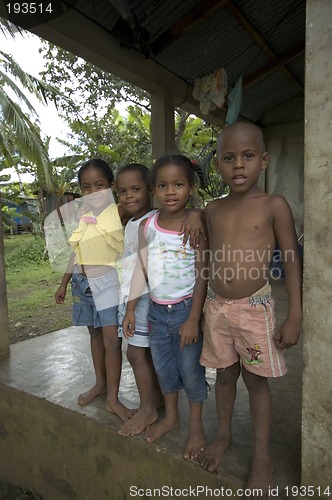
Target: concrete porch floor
pixel 53 369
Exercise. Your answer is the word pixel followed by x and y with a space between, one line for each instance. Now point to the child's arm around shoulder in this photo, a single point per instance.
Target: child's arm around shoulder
pixel 194 227
pixel 284 229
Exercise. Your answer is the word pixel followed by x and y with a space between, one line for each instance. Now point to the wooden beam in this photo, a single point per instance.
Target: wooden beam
pixel 274 65
pixel 194 17
pixel 260 41
pixel 103 50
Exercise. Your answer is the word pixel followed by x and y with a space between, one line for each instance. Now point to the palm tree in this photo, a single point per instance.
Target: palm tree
pixel 12 118
pixel 18 135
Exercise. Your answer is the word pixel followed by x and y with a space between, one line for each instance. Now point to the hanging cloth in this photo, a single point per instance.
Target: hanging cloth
pixel 211 90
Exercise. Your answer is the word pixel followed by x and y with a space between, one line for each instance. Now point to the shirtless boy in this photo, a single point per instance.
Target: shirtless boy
pixel 240 333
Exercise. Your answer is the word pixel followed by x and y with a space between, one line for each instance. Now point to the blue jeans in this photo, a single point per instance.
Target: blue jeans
pixel 176 368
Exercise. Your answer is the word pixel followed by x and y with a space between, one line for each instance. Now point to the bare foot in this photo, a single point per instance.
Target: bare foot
pixel 260 478
pixel 120 410
pixel 160 428
pixel 196 442
pixel 140 421
pixel 212 455
pixel 91 394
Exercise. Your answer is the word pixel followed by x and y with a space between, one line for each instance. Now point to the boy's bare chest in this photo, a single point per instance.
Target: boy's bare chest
pixel 243 223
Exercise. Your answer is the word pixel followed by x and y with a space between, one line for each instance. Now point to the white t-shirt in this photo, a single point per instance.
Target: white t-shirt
pixel 130 253
pixel 171 265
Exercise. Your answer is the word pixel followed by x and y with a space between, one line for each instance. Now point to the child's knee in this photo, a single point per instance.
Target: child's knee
pixel 253 382
pixel 112 343
pixel 135 355
pixel 229 375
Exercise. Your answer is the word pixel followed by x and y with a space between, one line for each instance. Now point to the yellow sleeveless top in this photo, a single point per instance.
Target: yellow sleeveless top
pixel 98 241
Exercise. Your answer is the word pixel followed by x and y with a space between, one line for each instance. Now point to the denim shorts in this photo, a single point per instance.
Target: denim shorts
pixel 95 300
pixel 141 335
pixel 176 368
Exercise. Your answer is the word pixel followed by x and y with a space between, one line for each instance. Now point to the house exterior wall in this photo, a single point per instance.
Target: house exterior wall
pixel 285 145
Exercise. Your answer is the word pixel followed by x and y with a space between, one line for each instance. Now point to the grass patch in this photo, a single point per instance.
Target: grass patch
pixel 11 492
pixel 31 284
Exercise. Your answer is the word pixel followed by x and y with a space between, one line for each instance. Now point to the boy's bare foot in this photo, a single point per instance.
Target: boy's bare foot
pixel 196 442
pixel 261 477
pixel 212 455
pixel 140 421
pixel 92 393
pixel 160 428
pixel 120 410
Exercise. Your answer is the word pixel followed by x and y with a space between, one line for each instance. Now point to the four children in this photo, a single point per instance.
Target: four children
pixel 163 291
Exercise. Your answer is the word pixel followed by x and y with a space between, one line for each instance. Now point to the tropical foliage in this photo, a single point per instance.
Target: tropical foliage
pixel 92 91
pixel 99 129
pixel 87 99
pixel 20 135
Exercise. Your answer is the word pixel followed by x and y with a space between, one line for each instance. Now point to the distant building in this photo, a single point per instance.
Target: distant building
pixel 26 212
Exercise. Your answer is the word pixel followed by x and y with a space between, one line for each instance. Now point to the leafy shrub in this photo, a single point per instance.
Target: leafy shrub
pixel 32 251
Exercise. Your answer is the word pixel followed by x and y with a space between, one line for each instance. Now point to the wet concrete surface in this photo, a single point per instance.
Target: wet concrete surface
pixel 58 367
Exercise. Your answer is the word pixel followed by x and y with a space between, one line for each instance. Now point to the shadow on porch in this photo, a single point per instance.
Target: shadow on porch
pixel 63 451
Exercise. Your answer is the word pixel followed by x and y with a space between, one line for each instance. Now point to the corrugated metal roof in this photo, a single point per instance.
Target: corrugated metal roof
pixel 261 40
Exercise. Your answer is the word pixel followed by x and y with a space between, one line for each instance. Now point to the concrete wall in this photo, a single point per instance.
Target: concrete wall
pixel 63 455
pixel 285 144
pixel 317 324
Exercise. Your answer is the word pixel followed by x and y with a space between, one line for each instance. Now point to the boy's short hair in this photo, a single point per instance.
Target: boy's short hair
pixel 137 167
pixel 244 124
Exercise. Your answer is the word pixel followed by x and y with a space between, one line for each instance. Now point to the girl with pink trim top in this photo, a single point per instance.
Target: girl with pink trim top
pixel 177 287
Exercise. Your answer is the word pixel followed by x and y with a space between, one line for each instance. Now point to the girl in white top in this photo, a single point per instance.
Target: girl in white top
pixel 177 283
pixel 134 193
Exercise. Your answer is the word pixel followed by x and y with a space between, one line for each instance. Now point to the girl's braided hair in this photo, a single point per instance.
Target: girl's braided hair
pixel 190 167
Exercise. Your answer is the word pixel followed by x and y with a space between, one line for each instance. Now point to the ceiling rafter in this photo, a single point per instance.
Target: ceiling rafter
pixel 262 44
pixel 273 65
pixel 187 23
pixel 205 9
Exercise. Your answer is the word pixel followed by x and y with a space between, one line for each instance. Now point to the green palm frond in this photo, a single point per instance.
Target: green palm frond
pixel 18 133
pixel 27 136
pixel 5 80
pixel 41 90
pixel 9 28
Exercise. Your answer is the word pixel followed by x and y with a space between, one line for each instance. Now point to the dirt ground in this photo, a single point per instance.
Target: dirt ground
pixel 50 319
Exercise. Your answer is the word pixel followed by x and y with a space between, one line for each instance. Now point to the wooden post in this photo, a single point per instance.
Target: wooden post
pixel 4 322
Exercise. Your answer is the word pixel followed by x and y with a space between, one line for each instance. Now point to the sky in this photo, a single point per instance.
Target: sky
pixel 24 50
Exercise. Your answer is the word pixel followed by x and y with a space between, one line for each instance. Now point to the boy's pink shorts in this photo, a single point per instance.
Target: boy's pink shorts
pixel 242 329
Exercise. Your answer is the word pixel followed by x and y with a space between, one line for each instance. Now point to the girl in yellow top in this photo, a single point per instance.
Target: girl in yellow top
pixel 97 244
